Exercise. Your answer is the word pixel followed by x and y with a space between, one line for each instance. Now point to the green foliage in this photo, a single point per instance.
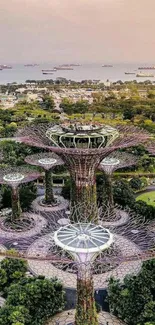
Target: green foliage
pixel 143 209
pixel 69 107
pixel 29 301
pixel 123 194
pixel 12 270
pixel 135 183
pixel 48 103
pixel 66 189
pixel 41 297
pixel 128 114
pixel 104 189
pixel 27 193
pixel 14 315
pixel 134 301
pixel 14 153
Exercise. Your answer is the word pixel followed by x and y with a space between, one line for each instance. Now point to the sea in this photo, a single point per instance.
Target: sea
pixel 20 73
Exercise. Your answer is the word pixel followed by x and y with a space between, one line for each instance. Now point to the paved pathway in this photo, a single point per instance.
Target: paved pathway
pixel 40 224
pixel 67 317
pixel 124 217
pixel 44 267
pixel 63 205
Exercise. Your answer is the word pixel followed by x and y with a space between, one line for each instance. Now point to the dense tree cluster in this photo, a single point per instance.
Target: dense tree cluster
pixel 134 300
pixel 29 300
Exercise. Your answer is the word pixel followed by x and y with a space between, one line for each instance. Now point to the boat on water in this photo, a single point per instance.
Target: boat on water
pixel 70 65
pixel 63 68
pixel 141 74
pixel 129 72
pixel 49 70
pixel 31 65
pixel 107 66
pixel 147 68
pixel 4 66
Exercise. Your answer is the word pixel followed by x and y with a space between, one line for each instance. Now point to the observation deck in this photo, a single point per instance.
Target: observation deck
pixel 82 136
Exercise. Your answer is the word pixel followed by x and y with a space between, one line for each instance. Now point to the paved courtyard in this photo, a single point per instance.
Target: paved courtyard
pixel 67 317
pixel 41 247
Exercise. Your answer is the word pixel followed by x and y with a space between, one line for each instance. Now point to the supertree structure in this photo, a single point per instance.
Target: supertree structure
pixel 13 177
pixel 47 161
pixel 108 165
pixel 82 147
pixel 85 255
pixel 84 241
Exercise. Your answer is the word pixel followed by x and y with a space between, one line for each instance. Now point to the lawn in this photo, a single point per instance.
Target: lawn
pixel 149 198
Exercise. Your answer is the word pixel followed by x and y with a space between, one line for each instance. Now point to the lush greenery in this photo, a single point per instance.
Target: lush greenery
pixel 29 300
pixel 134 300
pixel 148 197
pixel 27 193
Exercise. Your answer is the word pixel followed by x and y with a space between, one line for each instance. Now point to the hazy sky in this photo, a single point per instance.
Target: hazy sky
pixel 77 31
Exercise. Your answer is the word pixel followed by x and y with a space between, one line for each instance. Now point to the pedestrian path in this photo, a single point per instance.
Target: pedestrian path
pixel 67 318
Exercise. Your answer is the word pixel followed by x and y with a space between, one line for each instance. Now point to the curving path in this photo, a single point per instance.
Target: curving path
pixel 63 205
pixel 40 224
pixel 68 317
pixel 40 249
pixel 120 222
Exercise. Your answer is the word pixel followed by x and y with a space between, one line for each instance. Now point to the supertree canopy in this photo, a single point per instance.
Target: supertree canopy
pixel 46 161
pixel 151 148
pixel 13 177
pixel 82 147
pixel 108 165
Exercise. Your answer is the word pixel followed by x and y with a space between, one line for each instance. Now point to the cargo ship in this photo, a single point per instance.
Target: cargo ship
pixel 129 72
pixel 49 70
pixel 31 65
pixel 107 66
pixel 148 75
pixel 147 68
pixel 4 66
pixel 64 68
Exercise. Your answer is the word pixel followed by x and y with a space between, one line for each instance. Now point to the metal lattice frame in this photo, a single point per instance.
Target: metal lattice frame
pixel 82 161
pixel 114 161
pixel 133 243
pixel 151 148
pixel 47 161
pixel 13 177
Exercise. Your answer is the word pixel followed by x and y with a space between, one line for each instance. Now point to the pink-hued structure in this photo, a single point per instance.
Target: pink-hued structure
pixel 82 147
pixel 47 161
pixel 13 177
pixel 108 165
pixel 151 148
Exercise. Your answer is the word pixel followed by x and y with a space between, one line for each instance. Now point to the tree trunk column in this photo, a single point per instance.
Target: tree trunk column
pixel 108 186
pixel 49 197
pixel 84 202
pixel 85 308
pixel 16 209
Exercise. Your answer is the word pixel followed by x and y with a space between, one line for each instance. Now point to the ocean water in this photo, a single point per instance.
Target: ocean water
pixel 19 73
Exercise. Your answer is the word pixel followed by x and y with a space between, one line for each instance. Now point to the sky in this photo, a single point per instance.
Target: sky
pixel 80 31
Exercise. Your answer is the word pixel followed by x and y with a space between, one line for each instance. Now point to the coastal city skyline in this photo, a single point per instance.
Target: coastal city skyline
pixel 99 31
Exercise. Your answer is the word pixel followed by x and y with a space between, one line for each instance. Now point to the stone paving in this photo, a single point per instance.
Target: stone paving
pixel 122 221
pixel 63 205
pixel 68 316
pixel 41 247
pixel 40 224
pixel 2 250
pixel 2 301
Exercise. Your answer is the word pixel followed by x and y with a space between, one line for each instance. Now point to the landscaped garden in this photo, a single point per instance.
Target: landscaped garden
pixel 148 197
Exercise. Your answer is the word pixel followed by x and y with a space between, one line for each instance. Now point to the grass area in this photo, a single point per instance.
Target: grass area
pixel 149 198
